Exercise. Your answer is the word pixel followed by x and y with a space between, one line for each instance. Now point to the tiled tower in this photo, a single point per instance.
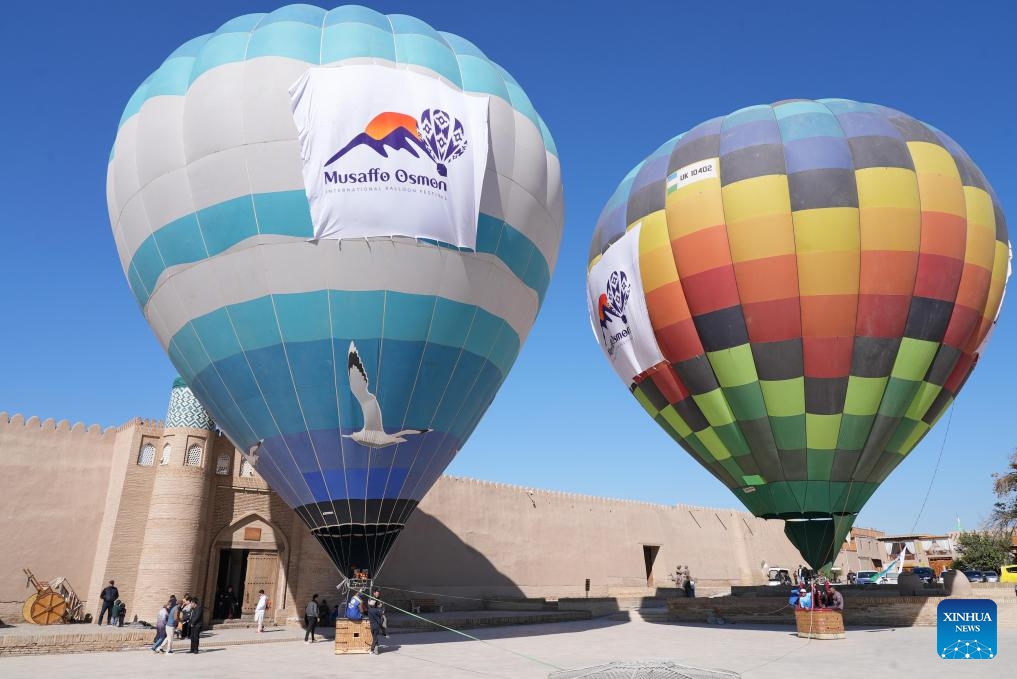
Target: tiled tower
pixel 177 531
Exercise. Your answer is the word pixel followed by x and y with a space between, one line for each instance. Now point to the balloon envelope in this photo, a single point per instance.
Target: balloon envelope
pixel 350 370
pixel 796 293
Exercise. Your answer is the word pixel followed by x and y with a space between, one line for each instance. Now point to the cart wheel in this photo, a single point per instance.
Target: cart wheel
pixel 49 608
pixel 26 610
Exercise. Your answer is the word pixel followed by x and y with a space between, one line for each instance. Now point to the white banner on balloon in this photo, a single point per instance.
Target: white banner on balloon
pixel 390 152
pixel 617 306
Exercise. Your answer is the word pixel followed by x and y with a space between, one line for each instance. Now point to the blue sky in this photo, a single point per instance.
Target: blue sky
pixel 612 81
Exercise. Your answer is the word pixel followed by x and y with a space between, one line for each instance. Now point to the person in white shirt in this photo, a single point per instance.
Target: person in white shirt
pixel 259 611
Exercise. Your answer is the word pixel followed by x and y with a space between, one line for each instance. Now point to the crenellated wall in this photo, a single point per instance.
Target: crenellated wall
pixel 479 537
pixel 53 482
pixel 83 507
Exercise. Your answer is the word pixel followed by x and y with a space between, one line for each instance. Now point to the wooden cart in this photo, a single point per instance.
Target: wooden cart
pixel 53 602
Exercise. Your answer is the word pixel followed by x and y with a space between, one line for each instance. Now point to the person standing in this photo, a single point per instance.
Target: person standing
pixel 197 624
pixel 323 612
pixel 172 617
pixel 108 596
pixel 376 602
pixel 836 599
pixel 231 604
pixel 310 619
pixel 185 617
pixel 160 628
pixel 375 614
pixel 259 610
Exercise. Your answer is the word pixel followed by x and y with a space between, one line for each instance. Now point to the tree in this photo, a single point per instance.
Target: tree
pixel 982 550
pixel 1004 515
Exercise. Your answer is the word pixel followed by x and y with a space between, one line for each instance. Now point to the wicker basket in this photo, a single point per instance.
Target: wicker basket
pixel 352 636
pixel 820 623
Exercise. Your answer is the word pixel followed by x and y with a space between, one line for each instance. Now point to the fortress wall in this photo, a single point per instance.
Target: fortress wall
pixel 82 504
pixel 490 538
pixel 53 482
pixel 117 552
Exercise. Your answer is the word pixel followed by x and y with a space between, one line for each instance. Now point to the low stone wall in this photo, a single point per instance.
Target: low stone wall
pixel 518 605
pixel 470 621
pixel 989 590
pixel 601 606
pixel 73 642
pixel 859 611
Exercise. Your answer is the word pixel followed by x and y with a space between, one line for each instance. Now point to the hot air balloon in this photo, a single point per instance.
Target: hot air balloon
pixel 340 225
pixel 796 293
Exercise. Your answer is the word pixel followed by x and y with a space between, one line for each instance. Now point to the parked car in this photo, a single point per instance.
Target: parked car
pixel 778 576
pixel 990 576
pixel 925 573
pixel 974 576
pixel 865 577
pixel 1009 574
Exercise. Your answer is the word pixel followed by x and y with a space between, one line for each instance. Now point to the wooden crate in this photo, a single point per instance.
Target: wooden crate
pixel 352 636
pixel 820 623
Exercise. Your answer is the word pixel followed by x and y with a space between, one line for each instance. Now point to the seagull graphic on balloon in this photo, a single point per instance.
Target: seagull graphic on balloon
pixel 373 434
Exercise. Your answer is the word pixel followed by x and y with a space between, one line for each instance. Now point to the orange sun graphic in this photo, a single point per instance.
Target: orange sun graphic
pixel 384 123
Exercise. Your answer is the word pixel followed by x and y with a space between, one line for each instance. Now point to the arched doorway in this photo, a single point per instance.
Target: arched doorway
pixel 248 555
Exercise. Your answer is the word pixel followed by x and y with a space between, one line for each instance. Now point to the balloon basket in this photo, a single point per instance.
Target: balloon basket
pixel 819 623
pixel 352 636
pixel 351 586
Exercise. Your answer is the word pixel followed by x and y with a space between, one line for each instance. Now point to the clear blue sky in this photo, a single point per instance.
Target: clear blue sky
pixel 613 81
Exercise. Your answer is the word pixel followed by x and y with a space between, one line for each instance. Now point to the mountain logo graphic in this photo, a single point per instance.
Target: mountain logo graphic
pixel 440 136
pixel 612 302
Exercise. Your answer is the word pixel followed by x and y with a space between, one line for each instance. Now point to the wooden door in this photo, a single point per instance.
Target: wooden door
pixel 262 569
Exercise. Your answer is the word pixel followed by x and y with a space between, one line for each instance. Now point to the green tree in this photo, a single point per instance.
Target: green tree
pixel 1004 515
pixel 982 550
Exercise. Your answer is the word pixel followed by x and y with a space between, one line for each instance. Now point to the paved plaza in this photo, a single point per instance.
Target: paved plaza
pixel 757 652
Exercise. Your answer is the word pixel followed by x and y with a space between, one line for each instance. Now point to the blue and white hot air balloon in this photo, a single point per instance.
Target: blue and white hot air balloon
pixel 340 225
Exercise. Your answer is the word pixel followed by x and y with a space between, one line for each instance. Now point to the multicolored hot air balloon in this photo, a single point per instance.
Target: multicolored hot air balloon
pixel 796 293
pixel 341 226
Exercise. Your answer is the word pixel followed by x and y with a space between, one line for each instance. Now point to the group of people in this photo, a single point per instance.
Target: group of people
pixel 807 596
pixel 113 609
pixel 227 605
pixel 802 576
pixel 185 619
pixel 684 581
pixel 182 619
pixel 361 606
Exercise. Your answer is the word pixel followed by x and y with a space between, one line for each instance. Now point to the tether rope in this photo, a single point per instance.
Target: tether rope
pixel 942 448
pixel 812 613
pixel 469 636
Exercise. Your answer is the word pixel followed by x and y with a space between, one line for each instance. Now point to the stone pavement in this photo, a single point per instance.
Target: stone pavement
pixel 27 639
pixel 757 652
